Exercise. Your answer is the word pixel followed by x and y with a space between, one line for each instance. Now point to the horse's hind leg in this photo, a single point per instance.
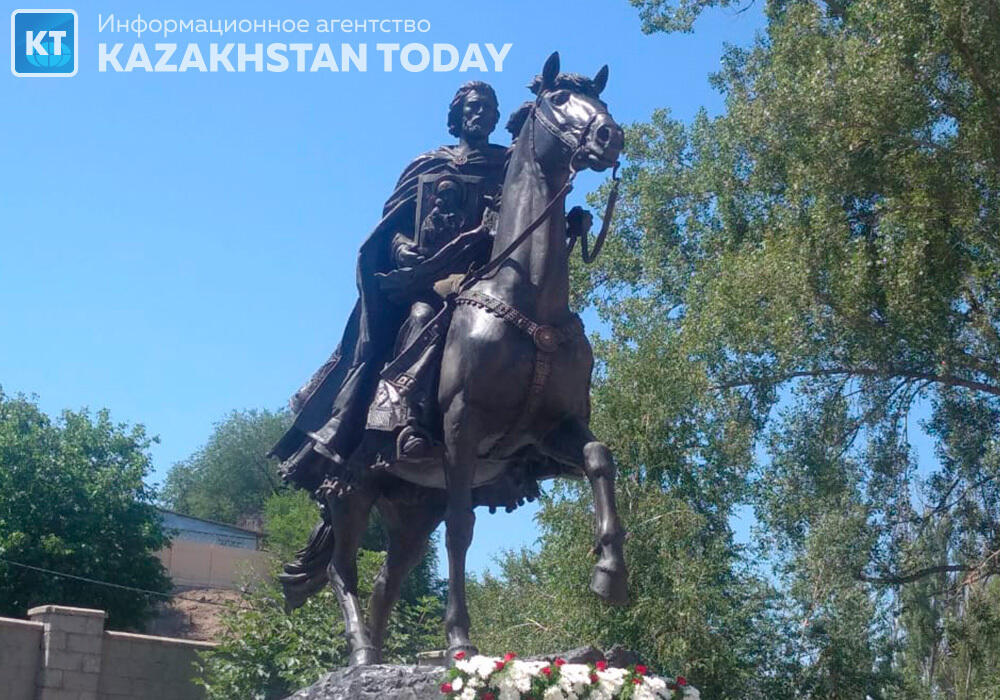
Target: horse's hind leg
pixel 349 517
pixel 574 444
pixel 409 528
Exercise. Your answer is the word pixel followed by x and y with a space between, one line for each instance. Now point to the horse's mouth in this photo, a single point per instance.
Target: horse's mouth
pixel 596 161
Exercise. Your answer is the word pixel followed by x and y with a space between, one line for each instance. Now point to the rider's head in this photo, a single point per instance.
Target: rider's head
pixel 474 111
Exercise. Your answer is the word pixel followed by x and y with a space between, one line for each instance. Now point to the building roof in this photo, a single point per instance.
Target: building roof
pixel 253 533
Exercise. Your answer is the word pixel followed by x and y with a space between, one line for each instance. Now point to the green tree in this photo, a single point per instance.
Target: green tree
pixel 72 500
pixel 828 252
pixel 230 476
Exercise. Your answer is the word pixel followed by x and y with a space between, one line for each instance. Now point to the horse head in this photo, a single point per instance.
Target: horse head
pixel 568 123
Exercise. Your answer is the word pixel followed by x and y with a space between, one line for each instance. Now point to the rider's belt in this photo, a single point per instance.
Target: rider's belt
pixel 547 338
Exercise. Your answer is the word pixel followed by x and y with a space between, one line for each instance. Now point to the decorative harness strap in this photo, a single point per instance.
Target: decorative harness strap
pixel 547 340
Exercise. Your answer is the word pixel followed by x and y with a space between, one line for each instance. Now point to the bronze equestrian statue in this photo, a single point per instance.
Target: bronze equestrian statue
pixel 492 372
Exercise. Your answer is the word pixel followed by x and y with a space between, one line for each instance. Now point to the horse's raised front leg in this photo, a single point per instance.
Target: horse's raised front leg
pixel 409 526
pixel 460 462
pixel 349 517
pixel 573 443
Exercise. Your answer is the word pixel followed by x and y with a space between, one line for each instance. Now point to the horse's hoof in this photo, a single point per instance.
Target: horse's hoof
pixel 610 586
pixel 467 651
pixel 363 656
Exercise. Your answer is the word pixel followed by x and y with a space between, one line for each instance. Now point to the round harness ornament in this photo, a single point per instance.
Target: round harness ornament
pixel 546 338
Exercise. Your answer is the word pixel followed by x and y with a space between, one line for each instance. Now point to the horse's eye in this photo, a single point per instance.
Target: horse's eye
pixel 560 98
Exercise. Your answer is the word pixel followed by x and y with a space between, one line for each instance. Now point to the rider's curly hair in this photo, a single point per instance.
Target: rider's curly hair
pixel 458 102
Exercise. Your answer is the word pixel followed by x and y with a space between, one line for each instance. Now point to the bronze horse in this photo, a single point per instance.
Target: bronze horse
pixel 514 390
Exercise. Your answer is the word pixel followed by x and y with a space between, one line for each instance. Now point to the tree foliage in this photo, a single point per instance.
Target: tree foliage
pixel 72 500
pixel 793 288
pixel 230 476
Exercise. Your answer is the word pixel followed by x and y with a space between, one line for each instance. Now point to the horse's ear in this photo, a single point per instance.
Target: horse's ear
pixel 550 71
pixel 601 79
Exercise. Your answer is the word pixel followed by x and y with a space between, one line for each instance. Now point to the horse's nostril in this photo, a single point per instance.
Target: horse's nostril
pixel 603 135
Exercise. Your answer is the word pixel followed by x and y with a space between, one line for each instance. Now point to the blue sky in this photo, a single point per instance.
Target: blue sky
pixel 176 246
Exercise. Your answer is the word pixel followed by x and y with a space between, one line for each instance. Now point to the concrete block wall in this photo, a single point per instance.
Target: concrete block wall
pixel 20 649
pixel 71 652
pixel 64 653
pixel 141 666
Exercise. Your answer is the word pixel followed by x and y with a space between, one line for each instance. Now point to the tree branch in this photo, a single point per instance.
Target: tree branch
pixel 887 373
pixel 913 575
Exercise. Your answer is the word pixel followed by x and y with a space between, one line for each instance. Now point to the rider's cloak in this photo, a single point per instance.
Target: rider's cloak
pixel 331 408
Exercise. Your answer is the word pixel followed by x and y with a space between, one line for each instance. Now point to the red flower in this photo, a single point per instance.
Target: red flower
pixel 459 655
pixel 499 665
pixel 509 656
pixel 682 681
pixel 641 669
pixel 560 662
pixel 489 696
pixel 602 665
pixel 446 688
pixel 593 678
pixel 547 670
pixel 637 681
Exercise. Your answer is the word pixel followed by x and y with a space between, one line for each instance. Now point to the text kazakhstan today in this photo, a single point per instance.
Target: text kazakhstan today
pixel 277 57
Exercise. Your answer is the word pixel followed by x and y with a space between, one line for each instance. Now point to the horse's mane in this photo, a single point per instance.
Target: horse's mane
pixel 575 82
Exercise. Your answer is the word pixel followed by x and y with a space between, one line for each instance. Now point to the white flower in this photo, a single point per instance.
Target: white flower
pixel 468 694
pixel 599 693
pixel 691 693
pixel 573 678
pixel 521 673
pixel 643 692
pixel 482 666
pixel 611 680
pixel 509 692
pixel 553 693
pixel 655 683
pixel 457 683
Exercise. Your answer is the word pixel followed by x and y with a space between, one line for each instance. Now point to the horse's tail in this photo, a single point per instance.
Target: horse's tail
pixel 308 573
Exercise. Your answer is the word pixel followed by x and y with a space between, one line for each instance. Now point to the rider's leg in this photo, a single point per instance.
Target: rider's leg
pixel 414 441
pixel 421 312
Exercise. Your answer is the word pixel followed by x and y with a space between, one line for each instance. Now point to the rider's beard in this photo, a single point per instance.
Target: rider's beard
pixel 476 128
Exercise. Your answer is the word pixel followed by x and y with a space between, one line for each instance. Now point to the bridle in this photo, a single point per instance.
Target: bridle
pixel 576 147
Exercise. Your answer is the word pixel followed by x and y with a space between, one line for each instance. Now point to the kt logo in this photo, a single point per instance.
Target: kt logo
pixel 43 43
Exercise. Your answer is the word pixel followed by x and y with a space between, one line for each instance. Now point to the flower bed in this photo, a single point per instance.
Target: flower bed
pixel 509 678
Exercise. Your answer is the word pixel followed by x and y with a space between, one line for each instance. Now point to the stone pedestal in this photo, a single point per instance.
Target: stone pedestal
pixel 71 649
pixel 423 682
pixel 376 682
